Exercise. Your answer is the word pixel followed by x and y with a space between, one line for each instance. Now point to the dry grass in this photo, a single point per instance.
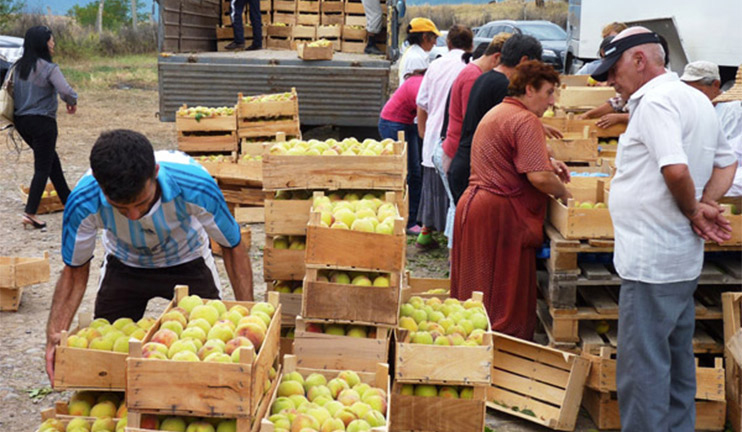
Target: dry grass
pixel 473 15
pixel 120 72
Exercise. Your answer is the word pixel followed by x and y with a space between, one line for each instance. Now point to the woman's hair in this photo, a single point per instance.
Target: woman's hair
pixel 533 73
pixel 496 44
pixel 35 47
pixel 614 27
pixel 419 37
pixel 416 72
pixel 460 37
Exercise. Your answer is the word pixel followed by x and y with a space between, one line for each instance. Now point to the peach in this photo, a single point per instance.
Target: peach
pixel 348 397
pixel 288 388
pixel 189 302
pixel 336 385
pixel 346 415
pixel 303 421
pixel 253 332
pixel 103 409
pixel 78 408
pixel 350 377
pixel 174 315
pixel 208 313
pixel 241 309
pixel 237 342
pixel 165 337
pixel 358 426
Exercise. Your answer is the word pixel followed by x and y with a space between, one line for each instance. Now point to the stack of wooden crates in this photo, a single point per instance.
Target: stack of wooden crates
pixel 17 273
pixel 224 30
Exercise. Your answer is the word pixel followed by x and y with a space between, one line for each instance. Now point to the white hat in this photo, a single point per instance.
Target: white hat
pixel 698 70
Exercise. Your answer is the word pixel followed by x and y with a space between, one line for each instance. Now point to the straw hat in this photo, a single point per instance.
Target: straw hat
pixel 734 93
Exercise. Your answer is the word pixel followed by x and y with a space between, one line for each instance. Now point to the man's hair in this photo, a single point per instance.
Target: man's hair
pixel 706 81
pixel 460 37
pixel 496 44
pixel 520 45
pixel 614 27
pixel 122 161
pixel 533 73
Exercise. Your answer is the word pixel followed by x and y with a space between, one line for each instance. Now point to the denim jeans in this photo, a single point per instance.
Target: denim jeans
pixel 389 129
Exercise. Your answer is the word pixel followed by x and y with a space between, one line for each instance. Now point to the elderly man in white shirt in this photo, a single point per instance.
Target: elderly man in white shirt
pixel 431 109
pixel 704 76
pixel 673 165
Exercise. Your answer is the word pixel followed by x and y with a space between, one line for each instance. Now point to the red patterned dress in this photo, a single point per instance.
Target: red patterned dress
pixel 499 218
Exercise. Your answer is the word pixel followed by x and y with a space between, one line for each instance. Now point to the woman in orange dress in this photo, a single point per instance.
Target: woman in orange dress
pixel 499 218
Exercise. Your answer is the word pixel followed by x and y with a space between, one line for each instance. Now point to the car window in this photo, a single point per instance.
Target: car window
pixel 544 32
pixel 441 41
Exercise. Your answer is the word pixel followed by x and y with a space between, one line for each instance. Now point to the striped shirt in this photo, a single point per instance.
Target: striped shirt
pixel 176 230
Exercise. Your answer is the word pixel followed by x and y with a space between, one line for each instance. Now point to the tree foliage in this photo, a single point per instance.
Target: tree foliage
pixel 8 8
pixel 116 13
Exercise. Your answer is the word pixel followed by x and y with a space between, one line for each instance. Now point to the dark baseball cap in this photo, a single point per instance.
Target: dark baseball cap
pixel 616 48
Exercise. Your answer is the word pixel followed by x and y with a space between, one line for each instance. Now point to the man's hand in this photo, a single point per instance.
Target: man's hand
pixel 552 132
pixel 561 170
pixel 71 109
pixel 51 350
pixel 609 120
pixel 709 224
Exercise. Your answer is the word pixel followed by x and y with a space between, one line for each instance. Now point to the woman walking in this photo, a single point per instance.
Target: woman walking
pixel 37 81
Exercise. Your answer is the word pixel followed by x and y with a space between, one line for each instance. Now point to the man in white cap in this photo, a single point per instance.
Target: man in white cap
pixel 704 76
pixel 673 165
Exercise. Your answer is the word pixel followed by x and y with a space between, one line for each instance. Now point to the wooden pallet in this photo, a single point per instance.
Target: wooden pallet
pixel 17 273
pixel 570 123
pixel 346 303
pixel 547 382
pixel 282 264
pixel 603 409
pixel 378 379
pixel 732 304
pixel 436 414
pixel 326 351
pixel 444 365
pixel 386 172
pixel 230 390
pixel 207 135
pixel 50 201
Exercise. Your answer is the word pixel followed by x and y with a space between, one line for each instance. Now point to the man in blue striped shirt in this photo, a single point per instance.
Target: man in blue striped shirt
pixel 157 212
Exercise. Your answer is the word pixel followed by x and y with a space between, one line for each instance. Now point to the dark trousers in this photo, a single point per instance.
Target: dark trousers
pixel 125 291
pixel 40 133
pixel 238 6
pixel 389 129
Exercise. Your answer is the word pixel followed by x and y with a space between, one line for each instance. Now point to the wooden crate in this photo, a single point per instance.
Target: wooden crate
pixel 582 223
pixel 420 286
pixel 314 53
pixel 332 18
pixel 230 390
pixel 308 18
pixel 227 33
pixel 603 409
pixel 308 6
pixel 346 303
pixel 352 33
pixel 570 123
pixel 436 414
pixel 379 379
pixel 575 147
pixel 354 7
pixel 446 365
pixel 240 195
pixel 582 97
pixel 60 411
pixel 288 18
pixel 602 377
pixel 290 305
pixel 547 382
pixel 235 169
pixel 587 183
pixel 387 172
pixel 277 43
pixel 574 80
pixel 732 306
pixel 88 369
pixel 267 119
pixel 352 47
pixel 356 250
pixel 329 31
pixel 282 264
pixel 325 351
pixel 332 5
pixel 355 20
pixel 17 273
pixel 273 30
pixel 49 203
pixel 209 134
pixel 246 235
pixel 284 5
pixel 734 219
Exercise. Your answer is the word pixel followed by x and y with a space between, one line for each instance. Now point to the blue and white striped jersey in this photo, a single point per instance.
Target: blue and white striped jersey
pixel 191 208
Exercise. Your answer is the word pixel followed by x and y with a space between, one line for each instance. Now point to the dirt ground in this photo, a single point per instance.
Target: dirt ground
pixel 22 334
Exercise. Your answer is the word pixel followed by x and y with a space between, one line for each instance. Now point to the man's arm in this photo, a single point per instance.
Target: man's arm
pixel 422 118
pixel 719 183
pixel 239 270
pixel 67 297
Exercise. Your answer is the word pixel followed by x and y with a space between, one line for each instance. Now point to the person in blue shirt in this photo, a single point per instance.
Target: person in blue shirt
pixel 156 211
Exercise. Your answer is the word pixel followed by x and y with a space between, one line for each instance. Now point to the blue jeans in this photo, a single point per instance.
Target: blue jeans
pixel 389 129
pixel 655 370
pixel 238 6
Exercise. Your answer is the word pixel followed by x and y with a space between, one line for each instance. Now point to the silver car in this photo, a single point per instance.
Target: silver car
pixel 11 48
pixel 440 48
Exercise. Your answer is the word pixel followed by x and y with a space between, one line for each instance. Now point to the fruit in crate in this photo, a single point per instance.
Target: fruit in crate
pixel 200 112
pixel 213 158
pixel 354 278
pixel 102 335
pixel 275 97
pixel 366 214
pixel 319 43
pixel 249 157
pixel 448 322
pixel 346 147
pixel 332 407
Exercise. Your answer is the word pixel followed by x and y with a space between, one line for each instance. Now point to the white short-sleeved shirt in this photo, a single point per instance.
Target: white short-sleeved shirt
pixel 414 58
pixel 432 97
pixel 670 123
pixel 730 116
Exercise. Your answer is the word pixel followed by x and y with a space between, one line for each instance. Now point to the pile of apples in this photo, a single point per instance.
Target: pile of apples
pixel 354 278
pixel 289 242
pixel 314 404
pixel 368 214
pixel 276 97
pixel 354 195
pixel 206 331
pixel 249 157
pixel 188 424
pixel 319 43
pixel 590 204
pixel 288 287
pixel 104 336
pixel 356 331
pixel 448 322
pixel 200 112
pixel 214 158
pixel 332 147
pixel 448 392
pixel 438 291
pixel 93 411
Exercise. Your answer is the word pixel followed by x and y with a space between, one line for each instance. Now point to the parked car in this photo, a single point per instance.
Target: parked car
pixel 441 47
pixel 11 49
pixel 552 37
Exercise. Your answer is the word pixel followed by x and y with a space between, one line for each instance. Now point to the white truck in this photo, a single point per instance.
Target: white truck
pixel 694 30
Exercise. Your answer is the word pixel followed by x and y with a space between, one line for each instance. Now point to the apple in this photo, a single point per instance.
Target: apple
pixel 381 281
pixel 139 334
pixel 103 409
pixel 75 341
pixel 337 385
pixel 293 376
pixel 281 403
pixel 146 323
pixel 386 227
pixel 99 322
pixel 376 402
pixel 218 305
pixel 361 280
pixel 200 323
pixel 122 322
pixel 255 320
pixel 335 329
pixel 360 409
pixel 419 315
pixel 448 392
pixel 339 225
pixel 288 388
pixel 280 421
pixel 299 400
pixel 466 393
pixel 479 320
pixel 175 315
pixel 173 424
pixel 121 424
pixel 340 278
pixel 103 424
pixel 262 315
pixel 121 345
pixel 313 328
pixel 209 313
pixel 357 332
pixel 424 390
pixel 363 225
pixel 237 342
pixel 320 414
pixel 227 426
pixel 50 425
pixel 332 425
pixel 79 408
pixel 218 357
pixel 264 307
pixel 406 310
pixel 346 415
pixel 421 337
pixel 241 309
pixel 194 333
pixel 408 389
pixel 314 379
pixel 78 424
pixel 303 421
pixel 211 347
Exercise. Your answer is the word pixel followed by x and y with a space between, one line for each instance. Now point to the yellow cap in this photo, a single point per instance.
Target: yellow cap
pixel 422 25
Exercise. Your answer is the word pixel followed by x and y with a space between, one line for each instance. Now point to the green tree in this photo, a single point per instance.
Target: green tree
pixel 8 8
pixel 116 13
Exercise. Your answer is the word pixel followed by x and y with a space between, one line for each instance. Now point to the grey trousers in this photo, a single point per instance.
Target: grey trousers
pixel 372 8
pixel 656 373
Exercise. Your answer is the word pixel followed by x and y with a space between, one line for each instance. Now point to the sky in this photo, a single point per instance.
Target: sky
pixel 60 7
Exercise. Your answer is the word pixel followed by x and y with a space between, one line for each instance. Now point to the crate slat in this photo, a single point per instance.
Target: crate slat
pixel 436 414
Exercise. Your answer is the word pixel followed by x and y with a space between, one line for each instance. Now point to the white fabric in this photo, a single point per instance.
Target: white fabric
pixel 414 58
pixel 670 123
pixel 730 116
pixel 451 213
pixel 432 97
pixel 372 9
